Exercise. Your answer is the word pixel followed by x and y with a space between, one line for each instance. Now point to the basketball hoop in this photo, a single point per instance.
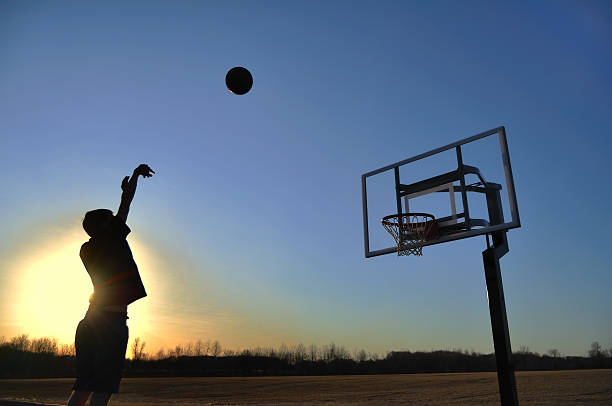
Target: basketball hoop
pixel 410 231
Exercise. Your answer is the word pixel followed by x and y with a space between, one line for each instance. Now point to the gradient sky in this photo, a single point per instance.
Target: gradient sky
pixel 251 233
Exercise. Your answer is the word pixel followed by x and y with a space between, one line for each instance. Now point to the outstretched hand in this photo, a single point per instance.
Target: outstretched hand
pixel 144 170
pixel 129 184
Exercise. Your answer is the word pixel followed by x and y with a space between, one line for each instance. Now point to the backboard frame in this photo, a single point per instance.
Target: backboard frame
pixel 470 232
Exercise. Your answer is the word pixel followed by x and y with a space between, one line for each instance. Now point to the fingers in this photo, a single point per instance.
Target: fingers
pixel 144 170
pixel 148 171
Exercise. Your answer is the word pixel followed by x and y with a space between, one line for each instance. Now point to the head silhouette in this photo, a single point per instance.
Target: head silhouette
pixel 97 221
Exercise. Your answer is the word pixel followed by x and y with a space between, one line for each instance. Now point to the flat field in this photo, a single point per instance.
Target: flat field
pixel 586 387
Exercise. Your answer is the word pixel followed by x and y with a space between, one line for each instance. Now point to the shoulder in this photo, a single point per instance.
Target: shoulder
pixel 85 249
pixel 119 228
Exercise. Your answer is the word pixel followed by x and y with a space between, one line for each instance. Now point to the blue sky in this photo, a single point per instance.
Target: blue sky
pixel 251 230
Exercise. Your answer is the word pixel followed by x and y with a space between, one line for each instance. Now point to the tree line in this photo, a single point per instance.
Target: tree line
pixel 24 357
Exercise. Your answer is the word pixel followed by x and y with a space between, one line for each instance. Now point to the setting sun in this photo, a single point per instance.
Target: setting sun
pixel 51 289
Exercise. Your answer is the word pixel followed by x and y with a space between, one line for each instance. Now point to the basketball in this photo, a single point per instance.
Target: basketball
pixel 239 80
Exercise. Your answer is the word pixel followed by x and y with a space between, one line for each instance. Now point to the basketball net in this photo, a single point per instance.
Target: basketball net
pixel 410 231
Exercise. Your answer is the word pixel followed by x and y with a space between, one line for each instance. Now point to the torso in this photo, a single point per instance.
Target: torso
pixel 113 272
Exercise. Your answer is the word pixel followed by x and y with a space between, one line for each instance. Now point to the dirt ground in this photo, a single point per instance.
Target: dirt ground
pixel 590 387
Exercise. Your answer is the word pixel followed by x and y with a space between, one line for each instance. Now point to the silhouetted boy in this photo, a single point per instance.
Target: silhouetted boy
pixel 102 336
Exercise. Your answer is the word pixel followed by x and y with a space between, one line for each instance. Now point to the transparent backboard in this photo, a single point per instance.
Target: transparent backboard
pixel 467 186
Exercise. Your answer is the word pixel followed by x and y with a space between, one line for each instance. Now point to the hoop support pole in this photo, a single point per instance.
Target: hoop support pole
pixel 499 326
pixel 497 304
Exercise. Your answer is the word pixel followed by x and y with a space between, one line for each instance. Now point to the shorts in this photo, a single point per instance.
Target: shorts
pixel 101 341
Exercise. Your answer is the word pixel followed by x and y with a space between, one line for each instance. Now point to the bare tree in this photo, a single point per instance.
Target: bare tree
pixel 595 351
pixel 361 356
pixel 313 352
pixel 67 350
pixel 161 354
pixel 300 352
pixel 20 342
pixel 215 349
pixel 138 349
pixel 44 345
pixel 197 349
pixel 206 348
pixel 342 353
pixel 329 352
pixel 523 349
pixel 284 353
pixel 189 349
pixel 135 347
pixel 266 351
pixel 554 353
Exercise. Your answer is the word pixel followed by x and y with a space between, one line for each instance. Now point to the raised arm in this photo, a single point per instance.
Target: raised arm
pixel 128 185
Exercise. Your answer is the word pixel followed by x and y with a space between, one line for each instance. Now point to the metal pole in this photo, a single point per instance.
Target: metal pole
pixel 499 325
pixel 497 303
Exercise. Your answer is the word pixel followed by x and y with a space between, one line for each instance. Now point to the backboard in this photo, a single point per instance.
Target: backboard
pixel 467 186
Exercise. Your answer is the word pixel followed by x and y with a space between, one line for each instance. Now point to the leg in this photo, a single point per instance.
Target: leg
pixel 100 399
pixel 78 398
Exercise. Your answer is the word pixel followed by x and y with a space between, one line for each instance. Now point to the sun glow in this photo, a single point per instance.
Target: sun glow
pixel 45 291
pixel 52 289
